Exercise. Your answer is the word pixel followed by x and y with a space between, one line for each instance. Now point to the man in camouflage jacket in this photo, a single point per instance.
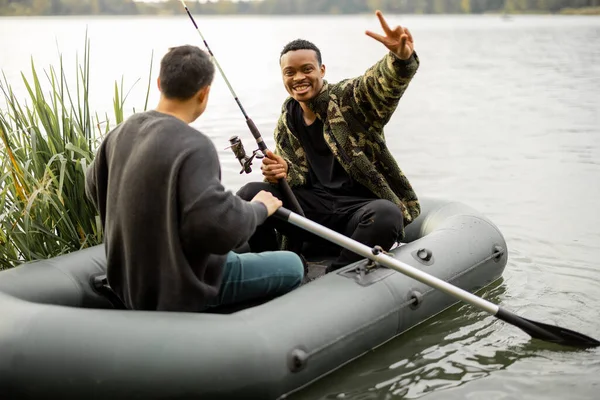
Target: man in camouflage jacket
pixel 330 147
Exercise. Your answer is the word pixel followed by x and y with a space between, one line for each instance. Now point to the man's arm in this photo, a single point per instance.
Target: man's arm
pixel 213 220
pixel 377 92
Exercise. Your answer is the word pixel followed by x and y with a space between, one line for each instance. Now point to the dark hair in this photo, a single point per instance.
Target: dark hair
pixel 184 70
pixel 301 44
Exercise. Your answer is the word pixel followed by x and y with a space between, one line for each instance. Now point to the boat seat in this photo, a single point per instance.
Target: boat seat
pixel 101 285
pixel 318 255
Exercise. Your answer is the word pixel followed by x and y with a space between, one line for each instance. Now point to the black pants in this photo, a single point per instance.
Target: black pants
pixel 366 220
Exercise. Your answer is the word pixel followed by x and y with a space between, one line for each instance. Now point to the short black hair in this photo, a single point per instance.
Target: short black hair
pixel 301 44
pixel 184 70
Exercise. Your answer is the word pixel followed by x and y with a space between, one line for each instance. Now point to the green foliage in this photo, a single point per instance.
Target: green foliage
pixel 45 148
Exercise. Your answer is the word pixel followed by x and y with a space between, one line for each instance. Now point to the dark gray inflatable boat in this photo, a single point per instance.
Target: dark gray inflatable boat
pixel 60 337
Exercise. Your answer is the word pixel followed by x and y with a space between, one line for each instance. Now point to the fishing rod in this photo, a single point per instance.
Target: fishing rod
pixel 236 143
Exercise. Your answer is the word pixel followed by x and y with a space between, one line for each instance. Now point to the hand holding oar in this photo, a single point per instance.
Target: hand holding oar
pixel 535 329
pixel 285 187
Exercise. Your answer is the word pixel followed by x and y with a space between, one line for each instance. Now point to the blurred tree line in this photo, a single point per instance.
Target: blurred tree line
pixel 130 7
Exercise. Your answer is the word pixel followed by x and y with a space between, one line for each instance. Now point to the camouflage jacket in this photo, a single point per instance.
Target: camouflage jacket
pixel 354 112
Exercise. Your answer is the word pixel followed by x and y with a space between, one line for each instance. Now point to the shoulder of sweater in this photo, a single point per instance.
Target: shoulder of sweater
pixel 176 133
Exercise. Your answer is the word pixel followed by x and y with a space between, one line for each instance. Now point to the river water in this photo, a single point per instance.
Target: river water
pixel 503 115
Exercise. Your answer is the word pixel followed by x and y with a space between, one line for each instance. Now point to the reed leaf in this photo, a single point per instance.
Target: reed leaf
pixel 46 143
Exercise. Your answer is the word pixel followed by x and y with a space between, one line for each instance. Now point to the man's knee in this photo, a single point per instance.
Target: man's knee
pixel 294 269
pixel 385 215
pixel 249 190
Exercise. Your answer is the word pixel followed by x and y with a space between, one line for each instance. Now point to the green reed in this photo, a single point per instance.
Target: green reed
pixel 46 144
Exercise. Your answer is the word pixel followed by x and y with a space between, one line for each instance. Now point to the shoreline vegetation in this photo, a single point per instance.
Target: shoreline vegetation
pixel 46 143
pixel 295 7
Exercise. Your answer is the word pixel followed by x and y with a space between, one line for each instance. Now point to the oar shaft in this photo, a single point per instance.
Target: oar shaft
pixel 386 260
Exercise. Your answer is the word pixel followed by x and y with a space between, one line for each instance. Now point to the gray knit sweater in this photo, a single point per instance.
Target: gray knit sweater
pixel 168 221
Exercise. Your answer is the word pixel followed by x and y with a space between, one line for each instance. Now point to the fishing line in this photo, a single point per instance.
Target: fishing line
pixel 237 100
pixel 236 143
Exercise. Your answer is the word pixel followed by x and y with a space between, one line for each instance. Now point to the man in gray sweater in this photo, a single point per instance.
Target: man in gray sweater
pixel 170 226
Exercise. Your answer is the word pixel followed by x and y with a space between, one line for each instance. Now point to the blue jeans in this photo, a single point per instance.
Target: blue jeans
pixel 254 276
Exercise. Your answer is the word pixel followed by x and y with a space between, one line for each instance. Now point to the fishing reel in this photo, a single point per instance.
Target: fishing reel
pixel 238 150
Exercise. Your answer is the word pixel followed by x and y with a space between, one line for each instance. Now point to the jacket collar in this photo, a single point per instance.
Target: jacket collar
pixel 320 102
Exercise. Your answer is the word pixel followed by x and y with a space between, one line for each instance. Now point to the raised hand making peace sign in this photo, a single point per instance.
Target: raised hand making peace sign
pixel 398 40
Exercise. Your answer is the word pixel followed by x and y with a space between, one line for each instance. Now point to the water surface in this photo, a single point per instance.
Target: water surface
pixel 502 115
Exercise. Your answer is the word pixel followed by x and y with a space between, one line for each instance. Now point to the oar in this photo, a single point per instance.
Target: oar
pixel 535 329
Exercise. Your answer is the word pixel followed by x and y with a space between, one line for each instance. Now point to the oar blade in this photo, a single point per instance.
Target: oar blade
pixel 548 333
pixel 567 336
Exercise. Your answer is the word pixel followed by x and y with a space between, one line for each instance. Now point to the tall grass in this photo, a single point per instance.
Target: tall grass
pixel 46 144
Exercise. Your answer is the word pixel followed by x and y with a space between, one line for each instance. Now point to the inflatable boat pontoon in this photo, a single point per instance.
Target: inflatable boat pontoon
pixel 61 337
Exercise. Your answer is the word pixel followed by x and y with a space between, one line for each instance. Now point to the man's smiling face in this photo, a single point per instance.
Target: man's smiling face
pixel 302 74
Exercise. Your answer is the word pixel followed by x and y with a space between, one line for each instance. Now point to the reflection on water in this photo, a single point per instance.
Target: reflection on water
pixel 502 115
